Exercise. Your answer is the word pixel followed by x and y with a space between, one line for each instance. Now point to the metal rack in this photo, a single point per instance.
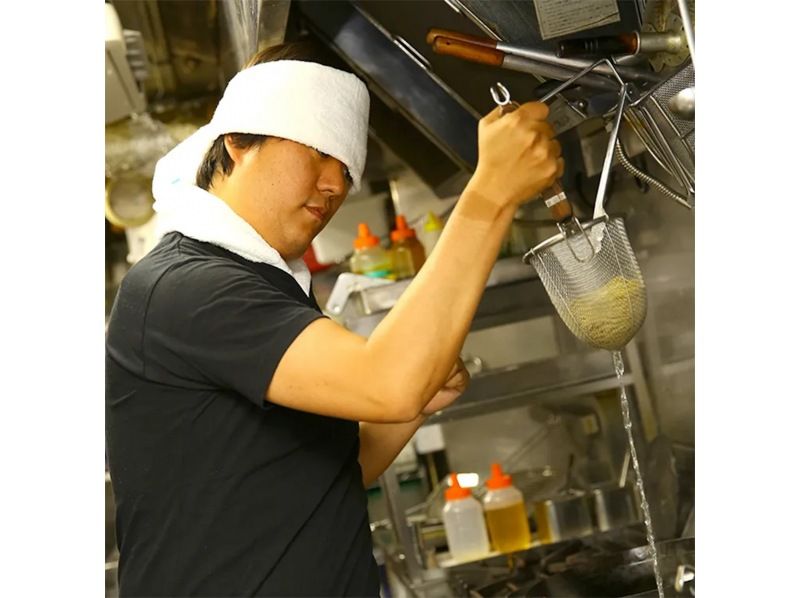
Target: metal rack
pixel 513 294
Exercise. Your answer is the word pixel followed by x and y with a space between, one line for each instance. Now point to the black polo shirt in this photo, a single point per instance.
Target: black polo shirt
pixel 219 492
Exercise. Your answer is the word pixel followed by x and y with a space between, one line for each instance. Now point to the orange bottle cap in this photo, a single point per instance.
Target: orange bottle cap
pixel 365 238
pixel 402 231
pixel 456 492
pixel 498 479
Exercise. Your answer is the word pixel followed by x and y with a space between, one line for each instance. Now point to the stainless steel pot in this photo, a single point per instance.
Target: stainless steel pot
pixel 563 518
pixel 614 507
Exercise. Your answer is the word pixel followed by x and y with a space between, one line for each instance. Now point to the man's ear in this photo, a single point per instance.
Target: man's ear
pixel 236 153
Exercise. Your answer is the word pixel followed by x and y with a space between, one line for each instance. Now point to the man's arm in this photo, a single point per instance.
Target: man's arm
pixel 381 443
pixel 391 376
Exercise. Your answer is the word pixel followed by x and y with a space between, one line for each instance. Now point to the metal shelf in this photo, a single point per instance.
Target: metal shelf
pixel 553 379
pixel 513 292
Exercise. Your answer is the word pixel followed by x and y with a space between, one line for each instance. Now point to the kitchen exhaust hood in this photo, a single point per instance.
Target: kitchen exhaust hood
pixel 425 106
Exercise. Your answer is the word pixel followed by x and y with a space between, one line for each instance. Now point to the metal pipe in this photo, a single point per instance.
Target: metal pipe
pixel 660 42
pixel 683 6
pixel 575 63
pixel 583 73
pixel 405 539
pixel 548 71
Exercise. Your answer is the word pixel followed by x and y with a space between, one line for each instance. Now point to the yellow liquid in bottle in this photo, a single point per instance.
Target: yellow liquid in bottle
pixel 508 528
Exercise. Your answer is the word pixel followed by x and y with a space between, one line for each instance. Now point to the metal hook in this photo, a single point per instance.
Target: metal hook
pixel 500 94
pixel 502 98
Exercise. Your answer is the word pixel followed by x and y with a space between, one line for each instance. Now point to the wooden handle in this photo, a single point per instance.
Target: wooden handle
pixel 483 55
pixel 474 40
pixel 556 200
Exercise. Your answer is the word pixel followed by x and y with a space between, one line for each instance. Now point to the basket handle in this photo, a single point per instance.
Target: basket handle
pixel 599 209
pixel 556 201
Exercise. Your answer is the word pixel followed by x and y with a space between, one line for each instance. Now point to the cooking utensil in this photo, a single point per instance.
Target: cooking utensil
pixel 682 104
pixel 566 516
pixel 668 132
pixel 597 289
pixel 623 44
pixel 543 56
pixel 614 507
pixel 483 55
pixel 626 463
pixel 563 518
pixel 555 198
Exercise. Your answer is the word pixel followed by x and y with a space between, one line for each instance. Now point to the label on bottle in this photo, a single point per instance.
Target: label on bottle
pixel 379 273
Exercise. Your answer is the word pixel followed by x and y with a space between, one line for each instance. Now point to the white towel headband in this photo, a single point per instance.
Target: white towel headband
pixel 306 102
pixel 315 105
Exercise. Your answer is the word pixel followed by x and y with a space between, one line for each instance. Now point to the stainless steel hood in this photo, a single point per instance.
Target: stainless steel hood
pixel 425 106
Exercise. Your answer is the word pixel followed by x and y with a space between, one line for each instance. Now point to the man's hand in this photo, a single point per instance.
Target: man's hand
pixel 518 156
pixel 457 382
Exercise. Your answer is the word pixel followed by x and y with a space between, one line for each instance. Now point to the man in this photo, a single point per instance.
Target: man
pixel 243 425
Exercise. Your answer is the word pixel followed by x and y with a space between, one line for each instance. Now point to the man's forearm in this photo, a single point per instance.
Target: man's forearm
pixel 415 345
pixel 381 443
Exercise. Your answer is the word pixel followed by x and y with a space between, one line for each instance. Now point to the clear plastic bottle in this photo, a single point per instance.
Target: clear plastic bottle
pixel 506 517
pixel 408 254
pixel 464 524
pixel 431 231
pixel 369 258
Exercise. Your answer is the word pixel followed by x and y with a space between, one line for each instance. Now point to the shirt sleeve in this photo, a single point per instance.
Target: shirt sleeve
pixel 220 325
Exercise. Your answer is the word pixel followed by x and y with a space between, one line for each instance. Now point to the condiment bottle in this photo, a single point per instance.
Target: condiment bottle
pixel 506 517
pixel 408 254
pixel 431 231
pixel 464 524
pixel 369 258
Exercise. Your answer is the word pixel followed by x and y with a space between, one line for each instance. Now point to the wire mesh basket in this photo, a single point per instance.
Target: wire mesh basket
pixel 594 282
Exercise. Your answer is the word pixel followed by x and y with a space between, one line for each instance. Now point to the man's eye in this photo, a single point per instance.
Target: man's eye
pixel 344 168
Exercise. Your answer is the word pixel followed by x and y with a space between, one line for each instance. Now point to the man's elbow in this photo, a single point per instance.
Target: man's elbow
pixel 395 407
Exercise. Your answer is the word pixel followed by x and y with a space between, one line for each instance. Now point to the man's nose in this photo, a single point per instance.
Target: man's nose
pixel 333 178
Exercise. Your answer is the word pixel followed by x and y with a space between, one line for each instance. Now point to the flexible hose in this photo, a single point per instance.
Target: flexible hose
pixel 626 163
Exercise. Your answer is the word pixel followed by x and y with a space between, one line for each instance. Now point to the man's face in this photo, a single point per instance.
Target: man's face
pixel 288 192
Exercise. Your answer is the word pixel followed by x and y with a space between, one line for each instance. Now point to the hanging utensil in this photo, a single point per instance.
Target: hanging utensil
pixel 466 50
pixel 632 43
pixel 601 299
pixel 555 198
pixel 543 56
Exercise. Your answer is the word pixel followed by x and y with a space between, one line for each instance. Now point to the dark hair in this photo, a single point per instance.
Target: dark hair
pixel 217 157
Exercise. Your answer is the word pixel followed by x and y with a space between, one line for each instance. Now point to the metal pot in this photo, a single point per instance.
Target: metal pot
pixel 614 507
pixel 563 518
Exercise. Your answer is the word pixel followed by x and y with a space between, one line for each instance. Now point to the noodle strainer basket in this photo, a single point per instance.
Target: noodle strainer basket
pixel 593 279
